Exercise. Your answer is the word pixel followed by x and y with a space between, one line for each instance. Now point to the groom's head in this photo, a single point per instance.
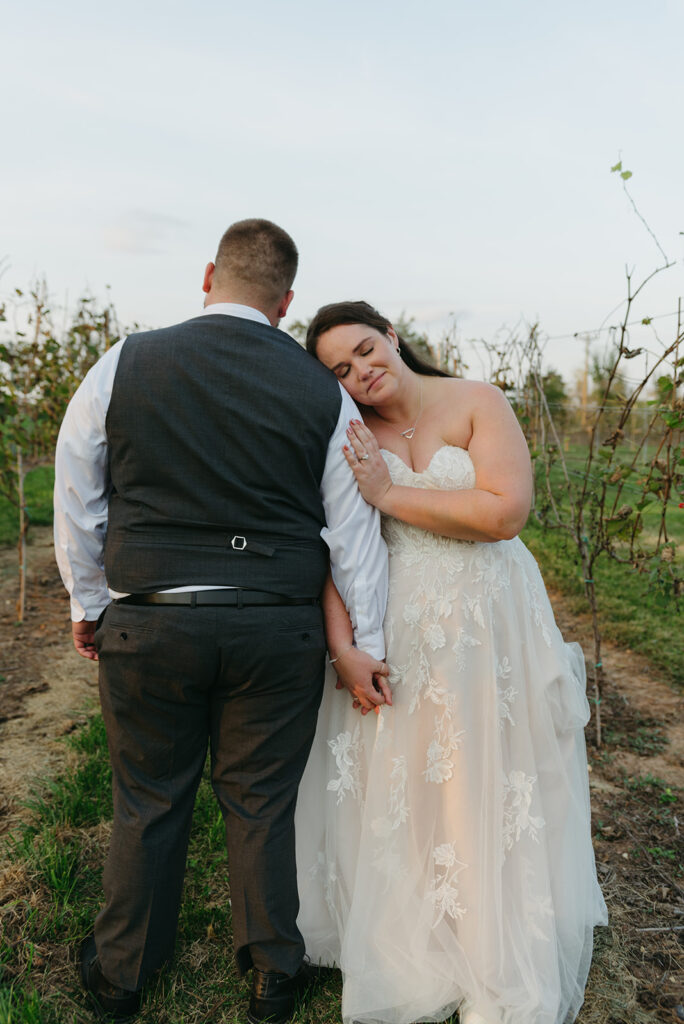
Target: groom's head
pixel 255 265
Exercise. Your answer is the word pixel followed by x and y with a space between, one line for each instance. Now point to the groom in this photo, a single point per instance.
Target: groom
pixel 201 490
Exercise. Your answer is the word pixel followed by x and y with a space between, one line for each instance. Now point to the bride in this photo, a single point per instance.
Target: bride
pixel 444 850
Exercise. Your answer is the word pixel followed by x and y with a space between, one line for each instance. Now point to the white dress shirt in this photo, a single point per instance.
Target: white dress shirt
pixel 358 555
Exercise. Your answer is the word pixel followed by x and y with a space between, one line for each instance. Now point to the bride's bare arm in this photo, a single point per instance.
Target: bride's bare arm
pixel 361 673
pixel 495 509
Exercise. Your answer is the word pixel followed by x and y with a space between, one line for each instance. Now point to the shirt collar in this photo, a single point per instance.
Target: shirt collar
pixel 236 309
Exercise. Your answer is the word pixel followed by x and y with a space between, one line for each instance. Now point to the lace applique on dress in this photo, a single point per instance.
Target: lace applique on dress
pixel 325 871
pixel 387 858
pixel 446 742
pixel 457 822
pixel 517 794
pixel 537 905
pixel 506 696
pixel 444 893
pixel 435 565
pixel 346 749
pixel 533 596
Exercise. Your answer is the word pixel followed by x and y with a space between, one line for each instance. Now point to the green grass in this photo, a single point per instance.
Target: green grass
pixel 38 488
pixel 20 1007
pixel 53 889
pixel 631 612
pixel 630 492
pixel 57 857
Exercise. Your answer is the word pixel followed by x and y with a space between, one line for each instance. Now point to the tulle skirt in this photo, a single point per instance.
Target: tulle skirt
pixel 444 845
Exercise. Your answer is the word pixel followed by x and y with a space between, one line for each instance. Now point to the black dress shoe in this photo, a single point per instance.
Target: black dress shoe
pixel 275 996
pixel 108 1001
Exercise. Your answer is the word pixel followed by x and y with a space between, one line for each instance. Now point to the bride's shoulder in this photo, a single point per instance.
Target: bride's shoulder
pixel 468 391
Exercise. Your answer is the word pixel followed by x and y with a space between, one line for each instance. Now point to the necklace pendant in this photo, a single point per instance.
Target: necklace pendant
pixel 408 434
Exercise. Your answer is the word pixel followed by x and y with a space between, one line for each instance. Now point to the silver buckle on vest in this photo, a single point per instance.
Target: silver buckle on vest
pixel 236 545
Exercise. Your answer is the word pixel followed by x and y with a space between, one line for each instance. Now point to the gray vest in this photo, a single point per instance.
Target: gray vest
pixel 218 430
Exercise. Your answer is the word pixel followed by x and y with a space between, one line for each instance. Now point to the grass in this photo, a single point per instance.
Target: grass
pixel 631 613
pixel 19 1007
pixel 38 488
pixel 51 892
pixel 630 493
pixel 653 785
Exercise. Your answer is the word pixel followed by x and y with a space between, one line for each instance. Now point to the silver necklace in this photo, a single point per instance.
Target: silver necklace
pixel 410 431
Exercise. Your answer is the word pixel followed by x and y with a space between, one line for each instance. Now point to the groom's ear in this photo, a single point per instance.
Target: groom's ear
pixel 208 277
pixel 284 304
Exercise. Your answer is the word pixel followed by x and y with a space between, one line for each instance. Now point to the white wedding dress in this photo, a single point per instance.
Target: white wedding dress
pixel 444 849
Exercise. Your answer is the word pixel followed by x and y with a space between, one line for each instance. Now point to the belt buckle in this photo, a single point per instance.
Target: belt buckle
pixel 236 546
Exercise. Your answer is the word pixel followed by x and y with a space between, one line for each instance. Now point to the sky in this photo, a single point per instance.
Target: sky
pixel 447 160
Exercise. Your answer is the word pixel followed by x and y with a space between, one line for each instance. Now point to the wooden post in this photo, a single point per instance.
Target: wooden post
pixel 23 526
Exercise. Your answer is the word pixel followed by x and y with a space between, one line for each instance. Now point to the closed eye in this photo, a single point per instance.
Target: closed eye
pixel 342 369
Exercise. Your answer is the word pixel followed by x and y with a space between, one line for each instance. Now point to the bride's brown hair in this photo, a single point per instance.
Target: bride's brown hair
pixel 338 313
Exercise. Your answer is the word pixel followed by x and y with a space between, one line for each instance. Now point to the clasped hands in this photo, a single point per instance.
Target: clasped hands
pixel 366 679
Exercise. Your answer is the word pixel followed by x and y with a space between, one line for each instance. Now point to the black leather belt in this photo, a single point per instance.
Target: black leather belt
pixel 235 597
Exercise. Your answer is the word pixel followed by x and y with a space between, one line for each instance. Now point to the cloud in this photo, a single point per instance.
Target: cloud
pixel 142 231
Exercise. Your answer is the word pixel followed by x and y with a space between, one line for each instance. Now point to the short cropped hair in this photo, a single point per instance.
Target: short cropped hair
pixel 258 255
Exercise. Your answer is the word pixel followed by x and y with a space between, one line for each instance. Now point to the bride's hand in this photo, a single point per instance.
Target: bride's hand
pixel 367 464
pixel 366 679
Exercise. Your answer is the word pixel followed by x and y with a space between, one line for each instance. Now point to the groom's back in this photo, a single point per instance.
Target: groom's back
pixel 217 428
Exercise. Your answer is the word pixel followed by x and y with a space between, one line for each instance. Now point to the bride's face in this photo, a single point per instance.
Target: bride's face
pixel 365 361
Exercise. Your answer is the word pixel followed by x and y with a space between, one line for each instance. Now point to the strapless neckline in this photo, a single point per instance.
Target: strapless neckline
pixel 421 472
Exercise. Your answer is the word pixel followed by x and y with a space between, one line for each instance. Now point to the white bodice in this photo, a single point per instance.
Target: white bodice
pixel 449 469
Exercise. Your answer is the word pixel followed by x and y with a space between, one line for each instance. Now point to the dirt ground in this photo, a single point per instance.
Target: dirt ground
pixel 636 778
pixel 45 688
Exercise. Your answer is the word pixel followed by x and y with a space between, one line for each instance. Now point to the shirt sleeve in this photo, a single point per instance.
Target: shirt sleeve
pixel 358 555
pixel 82 490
